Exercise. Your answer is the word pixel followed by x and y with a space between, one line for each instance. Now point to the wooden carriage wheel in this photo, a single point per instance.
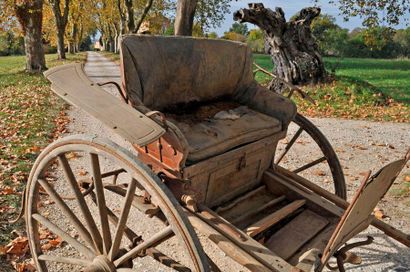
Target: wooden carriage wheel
pixel 328 154
pixel 97 237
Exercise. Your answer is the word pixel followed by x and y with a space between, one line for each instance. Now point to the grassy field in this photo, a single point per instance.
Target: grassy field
pixel 376 89
pixel 30 116
pixel 390 76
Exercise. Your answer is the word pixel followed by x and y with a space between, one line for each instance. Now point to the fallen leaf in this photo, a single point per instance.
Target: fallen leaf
pixel 83 172
pixel 56 242
pixel 72 155
pixel 379 214
pixel 46 247
pixel 3 250
pixel 320 173
pixel 7 191
pixel 18 246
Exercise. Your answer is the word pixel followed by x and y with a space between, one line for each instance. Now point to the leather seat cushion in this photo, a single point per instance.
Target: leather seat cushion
pixel 210 131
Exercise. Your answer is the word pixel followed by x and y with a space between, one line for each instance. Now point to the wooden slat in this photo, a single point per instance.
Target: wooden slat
pixel 273 180
pixel 274 218
pixel 226 245
pixel 386 228
pixel 296 233
pixel 70 83
pixel 241 240
pixel 318 242
pixel 257 210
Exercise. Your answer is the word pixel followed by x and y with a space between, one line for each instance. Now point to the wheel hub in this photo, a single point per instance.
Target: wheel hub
pixel 101 264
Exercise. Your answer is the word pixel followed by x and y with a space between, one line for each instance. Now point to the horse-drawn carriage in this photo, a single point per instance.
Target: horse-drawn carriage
pixel 205 134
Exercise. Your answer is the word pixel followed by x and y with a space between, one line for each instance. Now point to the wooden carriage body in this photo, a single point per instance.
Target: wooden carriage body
pixel 209 131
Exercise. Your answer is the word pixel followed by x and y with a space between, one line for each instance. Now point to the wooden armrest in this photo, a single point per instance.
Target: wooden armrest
pixel 71 83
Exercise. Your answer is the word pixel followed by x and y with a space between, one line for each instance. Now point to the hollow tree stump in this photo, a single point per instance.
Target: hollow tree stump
pixel 293 49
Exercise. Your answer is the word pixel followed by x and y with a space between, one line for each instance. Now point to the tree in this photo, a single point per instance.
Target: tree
pixel 373 13
pixel 402 39
pixel 233 36
pixel 210 13
pixel 212 35
pixel 29 13
pixel 255 41
pixel 207 13
pixel 291 45
pixel 184 20
pixel 239 28
pixel 61 20
pixel 330 37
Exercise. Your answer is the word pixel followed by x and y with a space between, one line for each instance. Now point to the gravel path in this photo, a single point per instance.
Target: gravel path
pixel 361 145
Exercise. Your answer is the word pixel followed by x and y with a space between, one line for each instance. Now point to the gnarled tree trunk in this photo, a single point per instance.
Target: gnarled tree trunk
pixel 184 20
pixel 293 49
pixel 30 16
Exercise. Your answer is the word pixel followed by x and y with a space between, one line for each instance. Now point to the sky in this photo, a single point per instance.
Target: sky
pixel 290 7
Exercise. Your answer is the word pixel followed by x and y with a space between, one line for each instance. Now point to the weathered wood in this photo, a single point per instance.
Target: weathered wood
pixel 274 218
pixel 152 241
pixel 101 203
pixel 293 49
pixel 226 245
pixel 296 233
pixel 65 260
pixel 252 247
pixel 357 216
pixel 318 242
pixel 239 200
pixel 386 228
pixel 71 84
pixel 252 212
pixel 272 180
pixel 138 202
pixel 65 236
pixel 225 177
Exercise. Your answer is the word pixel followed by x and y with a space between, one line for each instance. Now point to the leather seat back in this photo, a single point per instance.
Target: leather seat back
pixel 161 71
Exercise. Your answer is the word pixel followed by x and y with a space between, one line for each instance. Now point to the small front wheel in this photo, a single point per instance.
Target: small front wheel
pixel 111 212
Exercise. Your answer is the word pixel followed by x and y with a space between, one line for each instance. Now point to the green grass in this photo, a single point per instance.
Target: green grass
pixel 361 89
pixel 28 111
pixel 390 76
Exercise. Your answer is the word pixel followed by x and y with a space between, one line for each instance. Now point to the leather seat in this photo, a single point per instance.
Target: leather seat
pixel 223 131
pixel 169 73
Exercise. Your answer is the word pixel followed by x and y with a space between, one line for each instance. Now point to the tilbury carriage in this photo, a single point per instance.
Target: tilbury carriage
pixel 205 134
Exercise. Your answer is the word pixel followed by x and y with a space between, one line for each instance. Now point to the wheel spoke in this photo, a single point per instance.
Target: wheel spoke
pixel 68 212
pixel 151 242
pixel 99 189
pixel 59 259
pixel 123 218
pixel 81 202
pixel 152 251
pixel 309 165
pixel 289 145
pixel 56 230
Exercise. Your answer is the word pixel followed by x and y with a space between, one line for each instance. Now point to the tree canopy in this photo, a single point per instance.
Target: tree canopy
pixel 373 13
